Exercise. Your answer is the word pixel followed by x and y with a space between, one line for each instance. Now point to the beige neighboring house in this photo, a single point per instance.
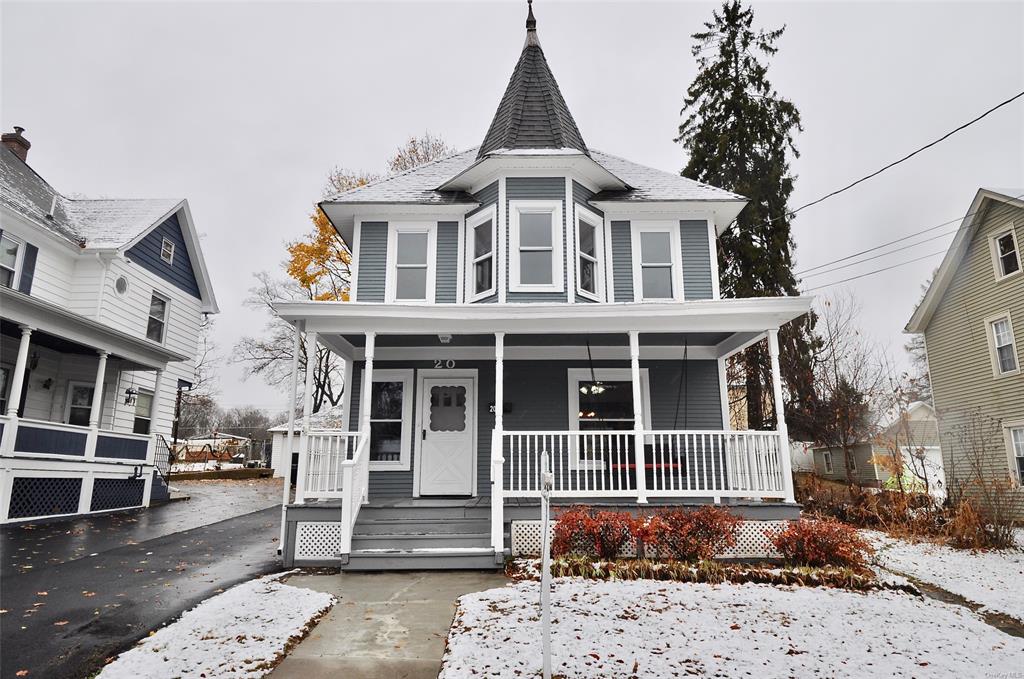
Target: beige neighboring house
pixel 972 318
pixel 913 435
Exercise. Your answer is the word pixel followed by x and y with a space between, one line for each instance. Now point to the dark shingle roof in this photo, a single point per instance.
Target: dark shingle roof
pixel 532 113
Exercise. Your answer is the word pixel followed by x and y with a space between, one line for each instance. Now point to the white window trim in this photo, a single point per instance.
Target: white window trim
pixel 826 456
pixel 405 376
pixel 67 397
pixel 672 229
pixel 1011 454
pixel 391 280
pixel 991 339
pixel 19 259
pixel 167 317
pixel 135 412
pixel 557 238
pixel 490 213
pixel 997 267
pixel 163 248
pixel 577 375
pixel 583 214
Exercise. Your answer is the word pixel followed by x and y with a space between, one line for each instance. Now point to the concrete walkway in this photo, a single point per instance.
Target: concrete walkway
pixel 385 625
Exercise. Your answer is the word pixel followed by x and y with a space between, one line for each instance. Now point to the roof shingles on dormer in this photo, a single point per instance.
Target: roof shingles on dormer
pixel 532 113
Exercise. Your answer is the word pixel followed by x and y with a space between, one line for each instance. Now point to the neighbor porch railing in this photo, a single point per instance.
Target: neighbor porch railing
pixel 34 439
pixel 335 464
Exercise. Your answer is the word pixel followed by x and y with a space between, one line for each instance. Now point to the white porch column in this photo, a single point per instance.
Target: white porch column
pixel 638 417
pixel 785 462
pixel 307 408
pixel 367 392
pixel 97 391
pixel 18 378
pixel 154 409
pixel 290 438
pixel 497 448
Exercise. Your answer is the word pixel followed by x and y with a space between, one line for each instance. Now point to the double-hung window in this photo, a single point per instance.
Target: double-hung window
pixel 602 400
pixel 588 254
pixel 167 251
pixel 1003 346
pixel 536 246
pixel 11 252
pixel 657 271
pixel 827 459
pixel 410 262
pixel 143 412
pixel 391 419
pixel 1017 448
pixel 1006 254
pixel 156 325
pixel 480 228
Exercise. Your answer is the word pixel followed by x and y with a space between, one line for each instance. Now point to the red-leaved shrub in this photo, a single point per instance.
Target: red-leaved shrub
pixel 821 542
pixel 582 532
pixel 691 535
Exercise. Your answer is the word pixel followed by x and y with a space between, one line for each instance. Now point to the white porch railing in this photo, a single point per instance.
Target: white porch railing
pixel 356 481
pixel 327 452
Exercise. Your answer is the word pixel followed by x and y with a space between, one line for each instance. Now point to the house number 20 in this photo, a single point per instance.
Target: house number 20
pixel 438 363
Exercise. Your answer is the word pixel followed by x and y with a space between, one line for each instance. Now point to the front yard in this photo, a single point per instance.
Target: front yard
pixel 645 628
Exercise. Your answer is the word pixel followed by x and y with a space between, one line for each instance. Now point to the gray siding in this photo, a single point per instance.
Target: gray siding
pixel 373 257
pixel 537 188
pixel 622 262
pixel 866 473
pixel 447 270
pixel 146 253
pixel 487 196
pixel 696 258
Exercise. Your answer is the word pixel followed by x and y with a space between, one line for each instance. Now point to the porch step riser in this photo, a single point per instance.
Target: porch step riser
pixel 425 527
pixel 423 513
pixel 399 562
pixel 419 541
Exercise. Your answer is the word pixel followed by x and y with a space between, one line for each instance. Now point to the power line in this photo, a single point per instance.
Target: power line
pixel 881 254
pixel 871 273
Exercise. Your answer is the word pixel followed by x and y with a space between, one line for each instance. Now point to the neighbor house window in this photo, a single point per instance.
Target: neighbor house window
pixel 1007 254
pixel 167 251
pixel 536 245
pixel 1017 442
pixel 143 412
pixel 588 253
pixel 10 261
pixel 5 385
pixel 827 457
pixel 481 251
pixel 79 404
pixel 1004 351
pixel 656 267
pixel 157 322
pixel 390 419
pixel 410 257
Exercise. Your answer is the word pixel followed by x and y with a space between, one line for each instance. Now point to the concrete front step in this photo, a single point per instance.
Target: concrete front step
pixel 468 558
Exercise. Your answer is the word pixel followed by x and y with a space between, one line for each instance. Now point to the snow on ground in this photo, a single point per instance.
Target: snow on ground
pixel 240 633
pixel 183 467
pixel 992 579
pixel 671 629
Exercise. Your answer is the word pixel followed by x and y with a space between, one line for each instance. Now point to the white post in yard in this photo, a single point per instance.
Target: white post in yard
pixel 18 378
pixel 785 463
pixel 547 481
pixel 497 449
pixel 290 439
pixel 307 407
pixel 638 417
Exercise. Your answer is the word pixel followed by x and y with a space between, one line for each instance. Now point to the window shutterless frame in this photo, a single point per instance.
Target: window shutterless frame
pixel 1014 433
pixel 652 264
pixel 1006 254
pixel 535 249
pixel 1002 345
pixel 167 251
pixel 589 253
pixel 156 319
pixel 412 253
pixel 143 422
pixel 826 457
pixel 479 257
pixel 405 377
pixel 576 376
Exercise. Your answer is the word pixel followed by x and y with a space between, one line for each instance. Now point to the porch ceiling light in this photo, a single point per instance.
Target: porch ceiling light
pixel 444 339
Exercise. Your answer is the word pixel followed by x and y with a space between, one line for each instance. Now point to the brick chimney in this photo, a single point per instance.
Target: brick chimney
pixel 17 143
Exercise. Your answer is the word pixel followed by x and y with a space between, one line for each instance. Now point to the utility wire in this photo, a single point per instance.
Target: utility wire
pixel 881 254
pixel 871 273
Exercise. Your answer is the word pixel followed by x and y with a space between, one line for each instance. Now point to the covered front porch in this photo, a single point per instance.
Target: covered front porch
pixel 628 403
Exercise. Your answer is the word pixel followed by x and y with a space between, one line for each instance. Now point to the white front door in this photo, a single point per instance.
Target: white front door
pixel 446 436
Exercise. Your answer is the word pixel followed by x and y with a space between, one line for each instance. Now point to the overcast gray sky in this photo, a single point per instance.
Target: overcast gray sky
pixel 243 107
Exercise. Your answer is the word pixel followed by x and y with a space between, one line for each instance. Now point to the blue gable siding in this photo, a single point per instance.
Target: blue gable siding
pixel 447 269
pixel 537 188
pixel 622 261
pixel 373 257
pixel 146 253
pixel 693 238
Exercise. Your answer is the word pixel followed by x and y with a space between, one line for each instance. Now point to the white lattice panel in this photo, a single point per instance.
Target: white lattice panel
pixel 751 541
pixel 317 540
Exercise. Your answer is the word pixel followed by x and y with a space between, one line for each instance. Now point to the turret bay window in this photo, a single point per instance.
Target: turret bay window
pixel 1002 345
pixel 536 245
pixel 157 323
pixel 1006 254
pixel 657 271
pixel 588 253
pixel 481 232
pixel 391 420
pixel 411 249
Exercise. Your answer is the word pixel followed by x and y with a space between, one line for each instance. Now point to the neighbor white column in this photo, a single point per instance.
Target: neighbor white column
pixel 97 392
pixel 293 388
pixel 307 408
pixel 638 417
pixel 154 410
pixel 18 378
pixel 785 463
pixel 497 451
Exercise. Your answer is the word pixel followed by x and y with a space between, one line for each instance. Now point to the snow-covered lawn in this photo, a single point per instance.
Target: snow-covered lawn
pixel 212 465
pixel 670 629
pixel 239 633
pixel 992 579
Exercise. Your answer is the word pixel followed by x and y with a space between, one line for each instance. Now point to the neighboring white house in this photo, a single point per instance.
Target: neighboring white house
pixel 329 418
pixel 530 296
pixel 100 308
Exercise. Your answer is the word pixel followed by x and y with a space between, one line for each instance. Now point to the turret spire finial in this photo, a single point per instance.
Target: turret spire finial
pixel 531 22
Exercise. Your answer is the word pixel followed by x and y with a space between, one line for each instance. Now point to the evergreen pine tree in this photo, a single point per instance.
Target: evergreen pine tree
pixel 739 134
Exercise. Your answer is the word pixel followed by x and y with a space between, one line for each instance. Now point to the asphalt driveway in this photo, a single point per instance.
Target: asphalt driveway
pixel 74 593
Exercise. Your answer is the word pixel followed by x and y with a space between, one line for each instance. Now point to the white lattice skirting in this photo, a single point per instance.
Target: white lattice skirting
pixel 317 540
pixel 751 542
